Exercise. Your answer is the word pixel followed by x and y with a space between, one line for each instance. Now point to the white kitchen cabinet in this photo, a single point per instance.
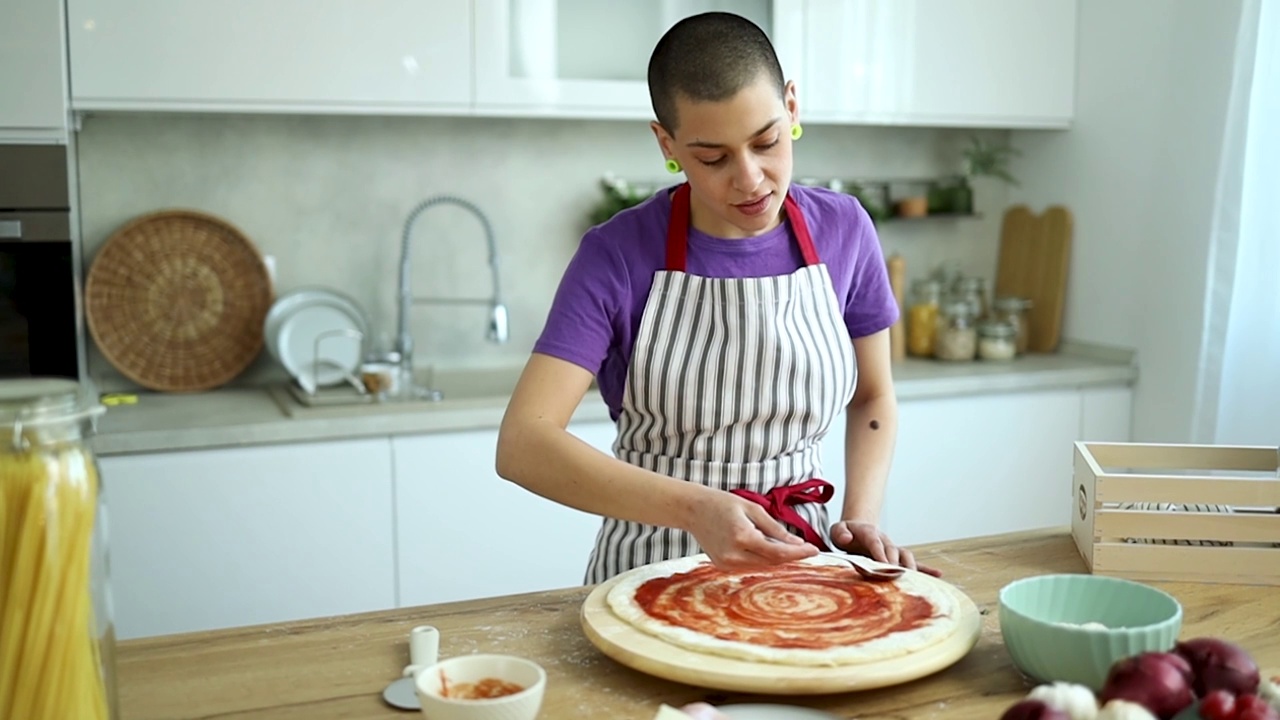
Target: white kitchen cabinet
pixel 1106 414
pixel 463 532
pixel 989 63
pixel 32 72
pixel 392 56
pixel 586 58
pixel 229 537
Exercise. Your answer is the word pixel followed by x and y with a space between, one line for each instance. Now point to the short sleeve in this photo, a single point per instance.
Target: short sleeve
pixel 583 322
pixel 869 305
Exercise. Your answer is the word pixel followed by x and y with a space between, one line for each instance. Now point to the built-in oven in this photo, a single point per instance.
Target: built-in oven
pixel 39 326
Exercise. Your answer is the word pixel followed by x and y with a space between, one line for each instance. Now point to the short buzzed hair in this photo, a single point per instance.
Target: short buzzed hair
pixel 709 58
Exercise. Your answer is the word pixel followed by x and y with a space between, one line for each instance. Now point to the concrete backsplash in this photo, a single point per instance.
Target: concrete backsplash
pixel 327 197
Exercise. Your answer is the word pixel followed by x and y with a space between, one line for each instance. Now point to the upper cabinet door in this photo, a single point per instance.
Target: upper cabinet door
pixel 277 55
pixel 992 63
pixel 32 89
pixel 587 58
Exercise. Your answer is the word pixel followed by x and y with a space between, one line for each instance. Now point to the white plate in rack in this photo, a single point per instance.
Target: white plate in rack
pixel 307 315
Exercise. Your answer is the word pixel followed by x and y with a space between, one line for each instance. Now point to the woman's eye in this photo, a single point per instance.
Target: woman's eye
pixel 711 163
pixel 768 146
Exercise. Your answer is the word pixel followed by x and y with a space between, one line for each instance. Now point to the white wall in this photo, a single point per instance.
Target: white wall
pixel 1139 170
pixel 327 196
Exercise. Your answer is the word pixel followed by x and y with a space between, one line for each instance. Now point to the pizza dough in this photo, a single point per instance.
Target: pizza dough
pixel 817 612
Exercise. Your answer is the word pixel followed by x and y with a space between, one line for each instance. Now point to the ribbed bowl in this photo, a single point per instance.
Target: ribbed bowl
pixel 1040 618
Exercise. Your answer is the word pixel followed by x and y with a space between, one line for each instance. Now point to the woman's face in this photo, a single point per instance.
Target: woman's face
pixel 736 155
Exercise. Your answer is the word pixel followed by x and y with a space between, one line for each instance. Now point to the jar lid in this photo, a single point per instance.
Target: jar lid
pixel 38 398
pixel 1011 304
pixel 997 329
pixel 971 283
pixel 958 308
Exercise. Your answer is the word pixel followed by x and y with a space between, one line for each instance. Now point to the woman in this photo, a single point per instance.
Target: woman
pixel 727 321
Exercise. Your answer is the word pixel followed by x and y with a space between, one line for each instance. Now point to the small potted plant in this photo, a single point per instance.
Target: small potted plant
pixel 980 159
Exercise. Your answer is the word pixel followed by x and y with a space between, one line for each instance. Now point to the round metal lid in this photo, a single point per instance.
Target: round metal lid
pixel 37 396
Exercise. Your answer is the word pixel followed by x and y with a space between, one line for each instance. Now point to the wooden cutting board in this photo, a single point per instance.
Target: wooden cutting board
pixel 649 654
pixel 1035 251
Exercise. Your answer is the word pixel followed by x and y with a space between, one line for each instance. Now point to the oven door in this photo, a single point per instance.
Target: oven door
pixel 37 296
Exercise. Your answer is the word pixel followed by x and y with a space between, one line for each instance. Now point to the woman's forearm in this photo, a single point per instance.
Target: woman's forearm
pixel 870 435
pixel 546 459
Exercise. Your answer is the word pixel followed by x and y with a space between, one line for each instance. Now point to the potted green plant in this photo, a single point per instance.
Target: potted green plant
pixel 618 196
pixel 981 159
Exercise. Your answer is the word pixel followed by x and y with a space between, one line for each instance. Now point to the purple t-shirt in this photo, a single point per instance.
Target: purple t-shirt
pixel 596 313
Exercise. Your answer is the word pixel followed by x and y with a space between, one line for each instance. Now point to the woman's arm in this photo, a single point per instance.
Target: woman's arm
pixel 870 436
pixel 871 431
pixel 537 452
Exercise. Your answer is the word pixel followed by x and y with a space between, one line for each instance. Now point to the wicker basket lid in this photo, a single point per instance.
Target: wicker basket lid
pixel 176 300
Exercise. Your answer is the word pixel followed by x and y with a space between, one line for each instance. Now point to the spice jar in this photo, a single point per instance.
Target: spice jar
pixel 997 341
pixel 956 339
pixel 973 290
pixel 922 317
pixel 56 635
pixel 1013 310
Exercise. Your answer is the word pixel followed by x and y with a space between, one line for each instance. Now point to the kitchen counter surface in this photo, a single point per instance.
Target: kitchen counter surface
pixel 338 667
pixel 246 416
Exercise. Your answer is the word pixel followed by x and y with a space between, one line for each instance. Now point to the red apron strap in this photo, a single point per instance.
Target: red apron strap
pixel 678 230
pixel 801 228
pixel 778 503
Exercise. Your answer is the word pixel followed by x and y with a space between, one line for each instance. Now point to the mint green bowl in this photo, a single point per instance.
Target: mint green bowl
pixel 1138 618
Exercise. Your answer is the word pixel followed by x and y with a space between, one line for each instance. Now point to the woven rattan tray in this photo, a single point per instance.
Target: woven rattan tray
pixel 176 300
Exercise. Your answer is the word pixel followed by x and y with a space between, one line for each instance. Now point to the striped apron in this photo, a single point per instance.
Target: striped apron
pixel 733 383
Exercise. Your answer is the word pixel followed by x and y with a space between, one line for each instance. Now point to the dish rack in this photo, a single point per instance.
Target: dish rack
pixel 1183 513
pixel 340 393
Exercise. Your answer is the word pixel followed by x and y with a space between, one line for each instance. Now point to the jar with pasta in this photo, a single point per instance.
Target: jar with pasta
pixel 957 339
pixel 922 317
pixel 1013 310
pixel 57 641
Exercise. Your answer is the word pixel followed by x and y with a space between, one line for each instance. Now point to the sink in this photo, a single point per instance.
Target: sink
pixel 462 388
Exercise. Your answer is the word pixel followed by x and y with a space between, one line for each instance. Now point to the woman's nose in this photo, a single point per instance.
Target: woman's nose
pixel 748 176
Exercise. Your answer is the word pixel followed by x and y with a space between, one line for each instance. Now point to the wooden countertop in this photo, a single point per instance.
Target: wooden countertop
pixel 338 667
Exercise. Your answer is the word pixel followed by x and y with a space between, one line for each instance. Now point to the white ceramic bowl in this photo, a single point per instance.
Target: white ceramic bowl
pixel 523 705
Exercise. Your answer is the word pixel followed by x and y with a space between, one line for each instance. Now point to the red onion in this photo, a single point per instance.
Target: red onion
pixel 1160 682
pixel 1219 665
pixel 1218 705
pixel 1034 710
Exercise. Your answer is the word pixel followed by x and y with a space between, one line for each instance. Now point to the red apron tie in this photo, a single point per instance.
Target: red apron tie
pixel 778 503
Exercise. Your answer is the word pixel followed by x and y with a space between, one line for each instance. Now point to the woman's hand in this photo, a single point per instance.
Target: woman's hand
pixel 738 534
pixel 703 711
pixel 860 538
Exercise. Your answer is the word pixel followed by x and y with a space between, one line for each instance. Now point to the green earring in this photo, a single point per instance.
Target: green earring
pixel 796 131
pixel 673 166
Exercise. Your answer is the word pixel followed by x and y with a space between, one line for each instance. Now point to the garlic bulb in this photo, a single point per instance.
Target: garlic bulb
pixel 1122 710
pixel 1269 690
pixel 1077 701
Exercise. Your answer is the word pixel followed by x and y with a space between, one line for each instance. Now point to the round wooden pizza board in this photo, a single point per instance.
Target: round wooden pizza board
pixel 640 651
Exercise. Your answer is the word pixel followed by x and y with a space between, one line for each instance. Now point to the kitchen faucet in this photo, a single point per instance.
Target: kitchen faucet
pixel 497 331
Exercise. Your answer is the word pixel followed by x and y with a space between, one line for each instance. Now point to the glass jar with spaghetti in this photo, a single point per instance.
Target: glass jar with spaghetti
pixel 57 639
pixel 922 317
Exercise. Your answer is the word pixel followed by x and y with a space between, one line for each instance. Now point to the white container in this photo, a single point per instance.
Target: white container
pixel 435 682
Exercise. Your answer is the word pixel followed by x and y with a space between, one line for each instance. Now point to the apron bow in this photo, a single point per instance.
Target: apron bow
pixel 779 503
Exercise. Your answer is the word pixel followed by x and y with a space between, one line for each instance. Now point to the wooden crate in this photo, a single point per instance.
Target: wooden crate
pixel 1196 513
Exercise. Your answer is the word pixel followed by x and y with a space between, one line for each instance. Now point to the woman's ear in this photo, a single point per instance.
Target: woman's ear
pixel 665 142
pixel 789 99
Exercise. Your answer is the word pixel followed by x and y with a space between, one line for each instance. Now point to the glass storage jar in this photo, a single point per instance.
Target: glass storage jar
pixel 997 341
pixel 922 317
pixel 57 641
pixel 1013 310
pixel 973 290
pixel 957 339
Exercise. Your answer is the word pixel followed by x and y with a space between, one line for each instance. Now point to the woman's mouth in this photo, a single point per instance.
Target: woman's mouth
pixel 754 207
